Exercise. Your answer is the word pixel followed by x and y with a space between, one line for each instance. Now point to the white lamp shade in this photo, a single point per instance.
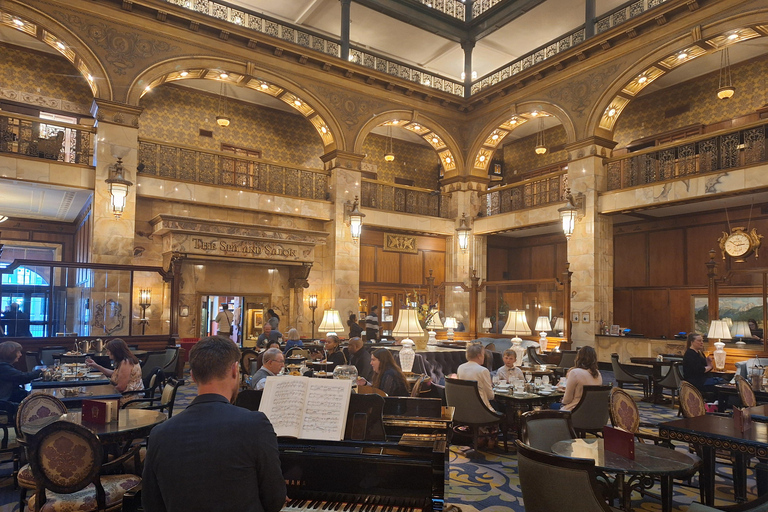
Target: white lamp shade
pixel 542 324
pixel 728 321
pixel 740 330
pixel 355 226
pixel 487 323
pixel 451 323
pixel 568 218
pixel 331 322
pixel 435 322
pixel 516 324
pixel 718 329
pixel 407 324
pixel 559 324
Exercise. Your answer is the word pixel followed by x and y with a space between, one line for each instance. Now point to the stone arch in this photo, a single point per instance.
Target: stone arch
pixel 484 145
pixel 43 27
pixel 431 131
pixel 242 75
pixel 662 60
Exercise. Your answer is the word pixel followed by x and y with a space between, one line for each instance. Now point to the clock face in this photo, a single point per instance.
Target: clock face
pixel 737 244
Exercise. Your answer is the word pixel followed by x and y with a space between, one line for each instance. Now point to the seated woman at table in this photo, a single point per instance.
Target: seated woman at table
pixel 292 340
pixel 12 380
pixel 127 373
pixel 333 352
pixel 583 373
pixel 696 365
pixel 387 376
pixel 509 371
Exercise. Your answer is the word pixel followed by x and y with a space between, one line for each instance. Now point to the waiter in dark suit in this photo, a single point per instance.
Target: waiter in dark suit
pixel 214 455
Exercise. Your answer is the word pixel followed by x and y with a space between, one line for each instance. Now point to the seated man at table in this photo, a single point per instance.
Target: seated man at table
pixel 213 455
pixel 269 334
pixel 274 360
pixel 360 358
pixel 12 380
pixel 473 369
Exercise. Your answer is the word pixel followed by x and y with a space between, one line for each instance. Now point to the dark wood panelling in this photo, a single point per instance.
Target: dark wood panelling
pixel 650 312
pixel 387 266
pixel 622 307
pixel 561 260
pixel 411 269
pixel 681 310
pixel 497 263
pixel 543 262
pixel 434 261
pixel 699 240
pixel 520 263
pixel 630 260
pixel 367 263
pixel 667 265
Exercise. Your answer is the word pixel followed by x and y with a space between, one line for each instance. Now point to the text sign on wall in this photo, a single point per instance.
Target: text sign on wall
pixel 228 247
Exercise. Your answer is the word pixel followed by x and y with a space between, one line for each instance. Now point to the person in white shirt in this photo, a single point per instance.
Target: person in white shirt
pixel 473 369
pixel 509 371
pixel 224 321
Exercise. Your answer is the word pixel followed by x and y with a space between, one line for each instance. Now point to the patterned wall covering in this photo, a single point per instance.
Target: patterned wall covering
pixel 645 116
pixel 412 161
pixel 55 84
pixel 519 155
pixel 176 114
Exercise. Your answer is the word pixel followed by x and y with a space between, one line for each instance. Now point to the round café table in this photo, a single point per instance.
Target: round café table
pixel 651 461
pixel 131 424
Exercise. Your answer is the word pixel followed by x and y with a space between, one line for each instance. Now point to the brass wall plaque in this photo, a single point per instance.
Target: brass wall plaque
pixel 400 243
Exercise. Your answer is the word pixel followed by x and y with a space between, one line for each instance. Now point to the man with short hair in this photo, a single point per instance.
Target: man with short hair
pixel 360 358
pixel 213 455
pixel 269 334
pixel 224 321
pixel 272 362
pixel 473 369
pixel 372 325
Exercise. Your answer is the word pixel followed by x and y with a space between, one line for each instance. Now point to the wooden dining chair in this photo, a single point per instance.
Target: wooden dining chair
pixel 691 402
pixel 163 403
pixel 246 358
pixel 625 415
pixel 746 394
pixel 66 460
pixel 34 407
pixel 577 488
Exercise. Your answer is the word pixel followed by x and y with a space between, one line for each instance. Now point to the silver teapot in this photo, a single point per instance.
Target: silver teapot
pixel 85 346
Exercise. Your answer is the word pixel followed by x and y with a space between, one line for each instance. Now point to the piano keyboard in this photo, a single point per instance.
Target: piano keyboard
pixel 355 503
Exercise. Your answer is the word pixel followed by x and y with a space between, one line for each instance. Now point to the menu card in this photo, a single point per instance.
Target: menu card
pixel 100 411
pixel 307 408
pixel 619 441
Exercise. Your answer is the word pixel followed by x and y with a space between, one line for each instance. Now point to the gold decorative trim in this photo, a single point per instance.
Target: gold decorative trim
pixel 400 243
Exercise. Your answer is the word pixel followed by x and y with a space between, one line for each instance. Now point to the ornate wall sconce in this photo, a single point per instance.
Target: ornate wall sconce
pixel 118 187
pixel 355 218
pixel 145 300
pixel 313 307
pixel 573 210
pixel 462 232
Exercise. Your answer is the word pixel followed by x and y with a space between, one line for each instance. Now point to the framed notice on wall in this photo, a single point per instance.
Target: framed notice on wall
pixel 575 317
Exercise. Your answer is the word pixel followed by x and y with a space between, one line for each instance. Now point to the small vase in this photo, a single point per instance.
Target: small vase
pixel 407 355
pixel 719 355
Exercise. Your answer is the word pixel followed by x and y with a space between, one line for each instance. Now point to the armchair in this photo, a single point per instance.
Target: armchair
pixel 470 410
pixel 623 375
pixel 162 403
pixel 591 413
pixel 541 429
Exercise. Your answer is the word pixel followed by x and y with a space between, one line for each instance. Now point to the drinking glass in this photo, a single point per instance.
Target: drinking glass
pixel 528 376
pixel 545 380
pixel 56 363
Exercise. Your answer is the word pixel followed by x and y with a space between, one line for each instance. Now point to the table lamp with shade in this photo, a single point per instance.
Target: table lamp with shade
pixel 450 324
pixel 433 324
pixel 516 325
pixel 718 330
pixel 331 323
pixel 559 328
pixel 487 323
pixel 407 326
pixel 543 326
pixel 740 330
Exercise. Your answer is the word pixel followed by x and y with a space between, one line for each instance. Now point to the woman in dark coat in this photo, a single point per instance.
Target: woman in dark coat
pixel 12 380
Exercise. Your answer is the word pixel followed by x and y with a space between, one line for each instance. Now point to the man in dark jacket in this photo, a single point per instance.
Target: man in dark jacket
pixel 214 455
pixel 360 358
pixel 372 325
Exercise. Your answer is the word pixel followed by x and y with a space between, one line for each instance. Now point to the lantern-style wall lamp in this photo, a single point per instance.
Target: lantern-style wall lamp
pixel 573 209
pixel 118 187
pixel 355 217
pixel 462 232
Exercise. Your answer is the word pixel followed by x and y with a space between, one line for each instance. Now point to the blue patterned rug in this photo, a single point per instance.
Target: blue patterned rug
pixel 487 481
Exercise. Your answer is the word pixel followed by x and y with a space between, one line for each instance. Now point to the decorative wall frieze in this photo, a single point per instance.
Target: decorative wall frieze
pixel 31 98
pixel 342 159
pixel 395 242
pixel 116 113
pixel 579 95
pixel 591 146
pixel 352 109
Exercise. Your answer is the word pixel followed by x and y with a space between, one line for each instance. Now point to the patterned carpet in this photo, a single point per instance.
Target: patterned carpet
pixel 487 481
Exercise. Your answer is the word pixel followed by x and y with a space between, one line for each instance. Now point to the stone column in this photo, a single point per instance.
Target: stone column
pixel 117 134
pixel 590 249
pixel 341 268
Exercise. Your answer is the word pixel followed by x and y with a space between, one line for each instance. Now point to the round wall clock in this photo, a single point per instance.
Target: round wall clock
pixel 740 244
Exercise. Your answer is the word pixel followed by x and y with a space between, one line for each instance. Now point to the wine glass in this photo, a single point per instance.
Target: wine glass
pixel 528 376
pixel 545 380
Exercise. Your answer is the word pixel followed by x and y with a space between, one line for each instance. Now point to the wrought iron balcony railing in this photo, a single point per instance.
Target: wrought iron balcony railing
pixel 184 163
pixel 697 155
pixel 380 195
pixel 40 138
pixel 548 188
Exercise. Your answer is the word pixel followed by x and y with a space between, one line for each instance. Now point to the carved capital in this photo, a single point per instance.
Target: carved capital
pixel 342 159
pixel 106 111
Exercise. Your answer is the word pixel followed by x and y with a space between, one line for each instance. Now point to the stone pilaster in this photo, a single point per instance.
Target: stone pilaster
pixel 341 269
pixel 590 249
pixel 116 135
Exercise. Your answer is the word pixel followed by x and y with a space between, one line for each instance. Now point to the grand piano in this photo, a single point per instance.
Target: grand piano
pixel 393 459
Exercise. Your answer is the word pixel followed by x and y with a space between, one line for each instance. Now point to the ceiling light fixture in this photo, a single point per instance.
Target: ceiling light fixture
pixel 726 89
pixel 495 136
pixel 389 156
pixel 224 76
pixel 297 102
pixel 3 218
pixel 541 145
pixel 183 74
pixel 682 55
pixel 733 36
pixel 222 119
pixel 264 85
pixel 611 112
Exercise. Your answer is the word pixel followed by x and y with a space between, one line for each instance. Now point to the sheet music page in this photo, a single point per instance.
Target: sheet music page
pixel 283 402
pixel 325 415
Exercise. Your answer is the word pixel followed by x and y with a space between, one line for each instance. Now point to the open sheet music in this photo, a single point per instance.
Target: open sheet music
pixel 307 408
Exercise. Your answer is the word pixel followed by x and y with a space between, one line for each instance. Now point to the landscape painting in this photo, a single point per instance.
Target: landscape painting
pixel 735 307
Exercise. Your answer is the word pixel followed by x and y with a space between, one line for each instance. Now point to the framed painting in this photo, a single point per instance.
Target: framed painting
pixel 733 307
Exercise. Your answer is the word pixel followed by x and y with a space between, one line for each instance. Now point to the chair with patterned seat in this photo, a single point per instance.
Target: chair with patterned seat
pixel 66 459
pixel 626 416
pixel 35 407
pixel 691 402
pixel 746 394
